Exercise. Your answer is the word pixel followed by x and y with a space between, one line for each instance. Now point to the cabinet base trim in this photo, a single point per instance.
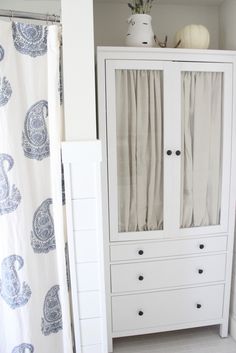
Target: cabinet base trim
pixel 172 328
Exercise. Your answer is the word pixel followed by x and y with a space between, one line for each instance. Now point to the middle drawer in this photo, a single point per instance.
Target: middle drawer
pixel 167 273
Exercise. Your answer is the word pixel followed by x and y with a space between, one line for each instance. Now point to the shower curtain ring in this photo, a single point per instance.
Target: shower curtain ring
pixel 12 16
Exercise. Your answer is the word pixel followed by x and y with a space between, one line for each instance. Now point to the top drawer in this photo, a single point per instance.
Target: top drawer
pixel 156 249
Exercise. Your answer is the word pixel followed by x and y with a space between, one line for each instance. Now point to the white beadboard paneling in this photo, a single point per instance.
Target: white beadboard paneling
pixel 83 181
pixel 90 332
pixel 88 277
pixel 84 214
pixel 89 305
pixel 86 246
pixel 82 152
pixel 83 217
pixel 92 349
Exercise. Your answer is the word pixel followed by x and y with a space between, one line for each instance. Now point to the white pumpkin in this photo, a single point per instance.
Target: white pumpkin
pixel 193 37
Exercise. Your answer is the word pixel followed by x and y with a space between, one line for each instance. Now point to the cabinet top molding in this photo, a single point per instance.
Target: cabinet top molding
pixel 205 55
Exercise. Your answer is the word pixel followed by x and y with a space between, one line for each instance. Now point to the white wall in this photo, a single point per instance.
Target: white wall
pixel 233 299
pixel 228 25
pixel 110 21
pixel 227 16
pixel 42 6
pixel 79 77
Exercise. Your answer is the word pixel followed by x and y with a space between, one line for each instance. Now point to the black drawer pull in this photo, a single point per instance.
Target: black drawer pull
pixel 169 152
pixel 141 252
pixel 199 306
pixel 141 278
pixel 201 246
pixel 140 313
pixel 200 271
pixel 178 153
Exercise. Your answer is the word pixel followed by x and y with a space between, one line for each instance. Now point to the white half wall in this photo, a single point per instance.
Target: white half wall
pixel 78 70
pixel 85 244
pixel 110 22
pixel 228 25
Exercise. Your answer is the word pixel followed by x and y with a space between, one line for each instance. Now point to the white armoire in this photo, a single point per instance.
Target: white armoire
pixel 167 125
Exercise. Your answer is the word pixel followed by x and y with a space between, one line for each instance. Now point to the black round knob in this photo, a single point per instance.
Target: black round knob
pixel 200 271
pixel 141 252
pixel 178 153
pixel 201 246
pixel 140 313
pixel 169 152
pixel 199 306
pixel 141 278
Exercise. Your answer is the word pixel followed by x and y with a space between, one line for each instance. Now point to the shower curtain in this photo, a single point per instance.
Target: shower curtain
pixel 34 303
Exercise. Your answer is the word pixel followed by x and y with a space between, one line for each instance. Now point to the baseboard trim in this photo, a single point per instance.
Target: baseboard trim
pixel 232 328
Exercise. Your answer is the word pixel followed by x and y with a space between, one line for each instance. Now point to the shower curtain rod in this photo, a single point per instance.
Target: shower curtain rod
pixel 29 15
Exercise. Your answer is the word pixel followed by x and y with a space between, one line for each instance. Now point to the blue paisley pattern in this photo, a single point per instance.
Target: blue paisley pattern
pixel 52 320
pixel 30 39
pixel 12 291
pixel 60 88
pixel 35 140
pixel 42 236
pixel 2 53
pixel 5 91
pixel 63 185
pixel 23 348
pixel 10 197
pixel 67 267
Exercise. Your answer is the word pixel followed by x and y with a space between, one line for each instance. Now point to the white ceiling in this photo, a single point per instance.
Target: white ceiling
pixel 185 2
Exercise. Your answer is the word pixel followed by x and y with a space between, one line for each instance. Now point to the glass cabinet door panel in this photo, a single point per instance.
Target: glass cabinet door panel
pixel 202 134
pixel 139 126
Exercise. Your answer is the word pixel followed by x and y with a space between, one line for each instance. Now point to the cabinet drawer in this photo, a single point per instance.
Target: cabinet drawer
pixel 141 311
pixel 167 273
pixel 167 248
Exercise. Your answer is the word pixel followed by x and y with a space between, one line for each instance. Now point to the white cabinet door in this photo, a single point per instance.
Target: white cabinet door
pixel 169 148
pixel 206 129
pixel 135 125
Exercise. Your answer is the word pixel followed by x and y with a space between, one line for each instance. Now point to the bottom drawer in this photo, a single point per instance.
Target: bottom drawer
pixel 132 312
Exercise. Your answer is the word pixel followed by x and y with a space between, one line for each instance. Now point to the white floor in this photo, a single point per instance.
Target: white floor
pixel 200 340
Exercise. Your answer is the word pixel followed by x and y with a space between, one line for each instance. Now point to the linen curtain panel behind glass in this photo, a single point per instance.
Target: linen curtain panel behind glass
pixel 139 123
pixel 202 144
pixel 33 287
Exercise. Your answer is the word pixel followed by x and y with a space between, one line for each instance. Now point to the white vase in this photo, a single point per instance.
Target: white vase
pixel 140 33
